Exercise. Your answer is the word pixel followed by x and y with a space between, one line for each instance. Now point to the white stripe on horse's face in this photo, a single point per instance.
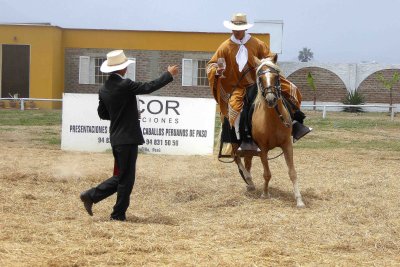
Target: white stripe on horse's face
pixel 268 80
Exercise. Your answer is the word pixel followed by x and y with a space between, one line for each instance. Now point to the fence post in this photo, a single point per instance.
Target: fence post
pixel 392 114
pixel 22 104
pixel 324 112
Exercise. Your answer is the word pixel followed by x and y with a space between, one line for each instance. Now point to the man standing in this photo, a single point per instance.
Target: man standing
pixel 118 103
pixel 231 71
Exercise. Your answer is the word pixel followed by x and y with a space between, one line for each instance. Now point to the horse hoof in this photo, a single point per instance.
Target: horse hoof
pixel 300 205
pixel 265 196
pixel 250 188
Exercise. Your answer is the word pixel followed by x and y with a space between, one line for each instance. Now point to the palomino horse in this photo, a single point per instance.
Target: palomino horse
pixel 271 127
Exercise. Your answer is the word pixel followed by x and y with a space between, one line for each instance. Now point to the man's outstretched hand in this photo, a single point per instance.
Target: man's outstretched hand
pixel 173 70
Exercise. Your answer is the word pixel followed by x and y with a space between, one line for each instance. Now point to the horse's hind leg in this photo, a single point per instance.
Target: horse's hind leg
pixel 266 174
pixel 288 152
pixel 246 175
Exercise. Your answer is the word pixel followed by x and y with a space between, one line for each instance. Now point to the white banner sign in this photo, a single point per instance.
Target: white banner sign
pixel 170 125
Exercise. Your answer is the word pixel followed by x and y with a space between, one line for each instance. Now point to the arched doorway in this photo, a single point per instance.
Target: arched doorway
pixel 373 90
pixel 329 87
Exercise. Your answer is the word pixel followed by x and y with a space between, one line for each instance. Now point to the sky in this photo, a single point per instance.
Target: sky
pixel 336 31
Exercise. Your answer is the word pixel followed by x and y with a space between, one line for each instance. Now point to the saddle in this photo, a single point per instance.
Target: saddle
pixel 245 124
pixel 228 134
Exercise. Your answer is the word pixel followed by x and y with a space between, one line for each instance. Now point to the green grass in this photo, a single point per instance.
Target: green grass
pixel 381 132
pixel 48 139
pixel 8 129
pixel 11 119
pixel 315 142
pixel 352 122
pixel 371 125
pixel 54 141
pixel 30 117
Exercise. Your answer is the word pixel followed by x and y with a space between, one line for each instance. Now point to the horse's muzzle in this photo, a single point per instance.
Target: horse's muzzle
pixel 271 100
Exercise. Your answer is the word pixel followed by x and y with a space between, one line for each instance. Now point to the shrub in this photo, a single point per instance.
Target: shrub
pixel 353 98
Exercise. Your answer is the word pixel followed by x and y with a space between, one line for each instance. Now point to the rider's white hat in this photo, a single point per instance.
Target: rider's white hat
pixel 238 22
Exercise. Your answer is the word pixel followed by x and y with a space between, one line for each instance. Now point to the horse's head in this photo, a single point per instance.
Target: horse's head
pixel 268 80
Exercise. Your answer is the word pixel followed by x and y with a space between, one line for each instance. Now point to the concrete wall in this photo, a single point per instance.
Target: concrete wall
pixel 149 65
pixel 147 40
pixel 55 59
pixel 46 62
pixel 54 53
pixel 333 81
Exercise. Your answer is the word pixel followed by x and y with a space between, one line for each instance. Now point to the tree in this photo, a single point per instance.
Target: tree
pixel 389 84
pixel 310 80
pixel 305 55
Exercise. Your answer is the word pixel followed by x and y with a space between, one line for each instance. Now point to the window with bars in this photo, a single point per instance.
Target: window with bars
pixel 194 72
pixel 99 77
pixel 202 79
pixel 89 70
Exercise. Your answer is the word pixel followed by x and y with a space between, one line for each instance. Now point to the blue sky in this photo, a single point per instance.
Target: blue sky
pixel 342 31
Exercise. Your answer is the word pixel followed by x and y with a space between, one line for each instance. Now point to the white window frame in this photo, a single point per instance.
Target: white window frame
pixel 84 67
pixel 87 70
pixel 189 72
pixel 92 71
pixel 131 72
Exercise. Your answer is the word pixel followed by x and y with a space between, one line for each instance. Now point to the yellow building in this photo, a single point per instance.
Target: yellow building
pixel 44 61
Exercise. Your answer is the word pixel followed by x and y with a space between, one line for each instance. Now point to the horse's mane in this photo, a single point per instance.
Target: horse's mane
pixel 270 64
pixel 267 62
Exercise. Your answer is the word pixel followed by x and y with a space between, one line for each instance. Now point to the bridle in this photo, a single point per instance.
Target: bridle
pixel 275 89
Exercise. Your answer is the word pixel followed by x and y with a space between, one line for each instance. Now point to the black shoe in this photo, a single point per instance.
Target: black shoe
pixel 87 202
pixel 299 130
pixel 299 116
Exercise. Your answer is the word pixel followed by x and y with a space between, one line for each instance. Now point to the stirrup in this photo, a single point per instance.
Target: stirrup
pixel 249 145
pixel 299 130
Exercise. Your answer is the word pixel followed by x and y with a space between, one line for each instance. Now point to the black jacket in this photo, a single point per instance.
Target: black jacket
pixel 117 103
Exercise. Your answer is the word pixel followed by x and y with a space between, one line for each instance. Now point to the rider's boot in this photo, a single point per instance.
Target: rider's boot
pixel 298 128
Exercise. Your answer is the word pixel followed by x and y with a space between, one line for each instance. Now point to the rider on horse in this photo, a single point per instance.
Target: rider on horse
pixel 231 83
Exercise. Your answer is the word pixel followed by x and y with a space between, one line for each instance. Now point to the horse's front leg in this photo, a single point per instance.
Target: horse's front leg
pixel 266 174
pixel 288 152
pixel 245 173
pixel 247 164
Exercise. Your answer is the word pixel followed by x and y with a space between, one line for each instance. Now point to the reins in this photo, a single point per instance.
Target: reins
pixel 278 93
pixel 287 124
pixel 240 79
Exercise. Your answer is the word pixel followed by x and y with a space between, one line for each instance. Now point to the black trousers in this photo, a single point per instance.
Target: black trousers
pixel 125 158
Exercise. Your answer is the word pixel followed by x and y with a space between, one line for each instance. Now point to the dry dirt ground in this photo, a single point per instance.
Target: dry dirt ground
pixel 195 211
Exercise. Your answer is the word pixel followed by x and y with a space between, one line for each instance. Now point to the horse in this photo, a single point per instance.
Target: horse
pixel 271 128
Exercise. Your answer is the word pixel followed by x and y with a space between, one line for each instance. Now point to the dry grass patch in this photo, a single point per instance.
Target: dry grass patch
pixel 195 211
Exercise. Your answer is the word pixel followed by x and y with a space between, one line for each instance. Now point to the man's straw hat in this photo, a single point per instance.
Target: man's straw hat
pixel 116 60
pixel 238 23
